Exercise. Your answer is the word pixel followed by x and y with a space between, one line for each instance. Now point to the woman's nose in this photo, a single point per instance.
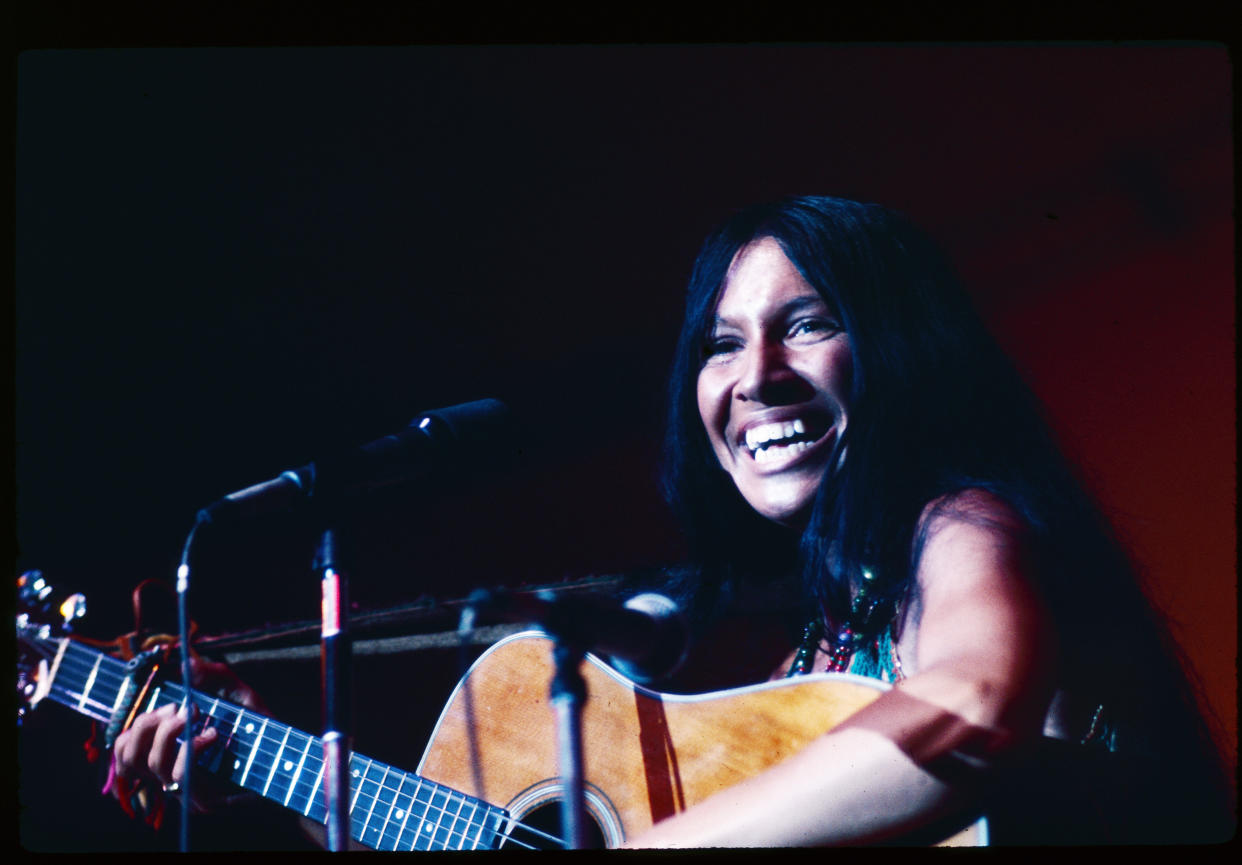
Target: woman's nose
pixel 768 378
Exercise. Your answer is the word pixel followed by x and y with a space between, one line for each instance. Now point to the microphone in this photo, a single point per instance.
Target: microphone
pixel 645 638
pixel 429 441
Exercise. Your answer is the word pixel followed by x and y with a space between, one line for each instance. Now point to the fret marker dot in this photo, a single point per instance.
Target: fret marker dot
pixel 288 765
pixel 250 728
pixel 356 773
pixel 400 815
pixel 237 764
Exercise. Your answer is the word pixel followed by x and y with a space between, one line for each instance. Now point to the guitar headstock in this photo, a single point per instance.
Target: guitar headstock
pixel 38 634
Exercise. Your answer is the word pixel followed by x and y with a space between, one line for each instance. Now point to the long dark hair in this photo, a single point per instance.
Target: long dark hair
pixel 937 408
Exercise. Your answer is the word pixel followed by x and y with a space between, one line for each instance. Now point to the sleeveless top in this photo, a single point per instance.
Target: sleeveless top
pixel 878 659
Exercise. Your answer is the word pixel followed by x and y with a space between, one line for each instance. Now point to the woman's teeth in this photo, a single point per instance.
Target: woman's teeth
pixel 759 436
pixel 778 451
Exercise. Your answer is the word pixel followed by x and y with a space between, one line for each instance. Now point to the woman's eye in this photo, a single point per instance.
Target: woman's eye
pixel 813 327
pixel 716 347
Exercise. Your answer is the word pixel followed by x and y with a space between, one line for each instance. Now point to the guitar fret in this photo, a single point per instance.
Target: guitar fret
pixel 303 795
pixel 419 811
pixel 455 821
pixel 212 756
pixel 293 783
pixel 439 801
pixel 450 829
pixel 371 810
pixel 421 807
pixel 382 832
pixel 254 750
pixel 478 823
pixel 387 796
pixel 459 819
pixel 498 818
pixel 120 695
pixel 366 794
pixel 236 741
pixel 408 808
pixel 438 834
pixel 358 781
pixel 474 809
pixel 54 668
pixel 354 773
pixel 228 742
pixel 315 788
pixel 424 832
pixel 90 683
pixel 398 811
pixel 276 761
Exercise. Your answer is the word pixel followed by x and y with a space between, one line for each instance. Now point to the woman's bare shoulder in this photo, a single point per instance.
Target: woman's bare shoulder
pixel 972 506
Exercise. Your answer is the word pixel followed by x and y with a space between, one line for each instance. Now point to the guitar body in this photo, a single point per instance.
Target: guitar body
pixel 646 755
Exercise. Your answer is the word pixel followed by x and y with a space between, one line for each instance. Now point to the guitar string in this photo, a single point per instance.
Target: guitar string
pixel 58 685
pixel 82 699
pixel 80 662
pixel 103 714
pixel 110 671
pixel 432 809
pixel 441 812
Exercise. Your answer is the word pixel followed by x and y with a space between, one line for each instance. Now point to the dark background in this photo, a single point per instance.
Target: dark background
pixel 232 260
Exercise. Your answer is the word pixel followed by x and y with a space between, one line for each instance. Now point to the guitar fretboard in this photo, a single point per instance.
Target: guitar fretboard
pixel 389 809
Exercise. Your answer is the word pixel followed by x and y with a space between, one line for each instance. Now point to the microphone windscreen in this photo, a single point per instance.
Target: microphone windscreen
pixel 484 420
pixel 669 645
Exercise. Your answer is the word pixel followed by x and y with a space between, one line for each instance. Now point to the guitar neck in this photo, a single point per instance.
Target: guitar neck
pixel 389 809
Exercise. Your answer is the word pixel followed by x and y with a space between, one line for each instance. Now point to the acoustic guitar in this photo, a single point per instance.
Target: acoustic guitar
pixel 489 778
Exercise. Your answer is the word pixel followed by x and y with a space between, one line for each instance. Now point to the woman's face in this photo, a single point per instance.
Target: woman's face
pixel 773 391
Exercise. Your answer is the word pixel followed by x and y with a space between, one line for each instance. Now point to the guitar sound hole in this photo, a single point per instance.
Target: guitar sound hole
pixel 541 829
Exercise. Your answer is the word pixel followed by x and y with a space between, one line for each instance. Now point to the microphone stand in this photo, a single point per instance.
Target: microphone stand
pixel 335 654
pixel 187 681
pixel 568 696
pixel 571 631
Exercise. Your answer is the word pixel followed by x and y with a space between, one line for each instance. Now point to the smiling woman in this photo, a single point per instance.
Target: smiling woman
pixel 869 486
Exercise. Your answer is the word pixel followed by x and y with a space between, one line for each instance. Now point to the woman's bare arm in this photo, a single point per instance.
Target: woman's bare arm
pixel 981 686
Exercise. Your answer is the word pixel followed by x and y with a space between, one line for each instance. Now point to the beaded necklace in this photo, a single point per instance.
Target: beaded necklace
pixel 849 637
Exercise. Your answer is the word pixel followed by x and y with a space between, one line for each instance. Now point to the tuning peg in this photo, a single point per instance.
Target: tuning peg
pixel 33 585
pixel 73 607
